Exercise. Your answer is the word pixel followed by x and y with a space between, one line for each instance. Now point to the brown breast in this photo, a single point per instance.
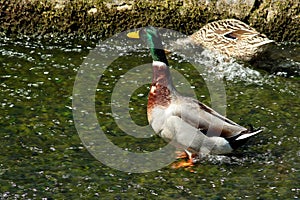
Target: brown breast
pixel 159 96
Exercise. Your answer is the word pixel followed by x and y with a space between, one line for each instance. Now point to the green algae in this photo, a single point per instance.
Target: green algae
pixel 279 20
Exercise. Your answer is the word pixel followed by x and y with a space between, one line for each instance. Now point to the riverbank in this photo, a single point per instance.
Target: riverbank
pixel 279 20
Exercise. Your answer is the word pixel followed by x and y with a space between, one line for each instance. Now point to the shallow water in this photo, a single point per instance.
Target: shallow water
pixel 43 156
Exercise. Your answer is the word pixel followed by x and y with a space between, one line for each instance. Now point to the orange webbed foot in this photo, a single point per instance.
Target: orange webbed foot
pixel 184 163
pixel 181 154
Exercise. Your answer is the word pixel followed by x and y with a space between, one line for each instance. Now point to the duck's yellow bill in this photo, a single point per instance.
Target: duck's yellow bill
pixel 134 35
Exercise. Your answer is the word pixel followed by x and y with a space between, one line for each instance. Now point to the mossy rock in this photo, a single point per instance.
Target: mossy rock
pixel 279 20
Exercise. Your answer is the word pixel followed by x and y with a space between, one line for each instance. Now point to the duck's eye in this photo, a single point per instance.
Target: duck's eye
pixel 230 36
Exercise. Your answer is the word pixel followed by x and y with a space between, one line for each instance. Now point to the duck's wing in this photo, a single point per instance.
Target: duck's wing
pixel 230 30
pixel 194 121
pixel 239 31
pixel 185 136
pixel 247 36
pixel 206 119
pixel 239 34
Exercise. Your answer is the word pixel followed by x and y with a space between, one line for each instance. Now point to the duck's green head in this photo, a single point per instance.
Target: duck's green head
pixel 151 36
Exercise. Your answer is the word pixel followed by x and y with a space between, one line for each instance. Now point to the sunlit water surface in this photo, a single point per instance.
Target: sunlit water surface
pixel 43 157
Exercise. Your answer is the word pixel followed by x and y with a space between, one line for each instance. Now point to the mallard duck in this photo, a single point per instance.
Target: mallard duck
pixel 183 120
pixel 232 38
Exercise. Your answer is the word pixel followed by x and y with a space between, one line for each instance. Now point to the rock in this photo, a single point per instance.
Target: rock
pixel 279 20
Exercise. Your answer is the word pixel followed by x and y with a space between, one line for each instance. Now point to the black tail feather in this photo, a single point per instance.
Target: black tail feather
pixel 241 139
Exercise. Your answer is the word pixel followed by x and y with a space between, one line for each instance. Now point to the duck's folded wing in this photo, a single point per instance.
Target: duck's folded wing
pixel 207 120
pixel 183 135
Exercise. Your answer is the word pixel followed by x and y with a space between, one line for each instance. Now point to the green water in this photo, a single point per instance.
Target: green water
pixel 42 155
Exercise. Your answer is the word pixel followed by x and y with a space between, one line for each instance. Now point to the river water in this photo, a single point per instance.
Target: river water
pixel 42 154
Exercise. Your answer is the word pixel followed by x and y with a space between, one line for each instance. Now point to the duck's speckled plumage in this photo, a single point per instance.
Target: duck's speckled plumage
pixel 232 38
